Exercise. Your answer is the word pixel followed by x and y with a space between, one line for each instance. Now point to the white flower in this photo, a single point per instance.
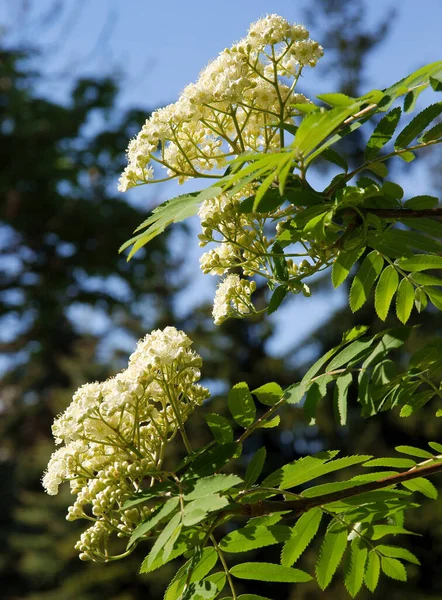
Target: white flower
pixel 232 298
pixel 115 432
pixel 229 109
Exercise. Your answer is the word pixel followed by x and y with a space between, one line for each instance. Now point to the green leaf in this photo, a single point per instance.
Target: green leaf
pixel 336 99
pixel 431 134
pixel 279 262
pixel 385 290
pixel 212 460
pixel 396 552
pixel 302 534
pixel 168 532
pixel 343 264
pixel 351 353
pixel 188 539
pixel 406 156
pixel 404 300
pixel 379 168
pixel 417 125
pixel 392 190
pixel 295 393
pixel 330 554
pixel 316 126
pixel 269 202
pixel 241 405
pixel 259 164
pixel 371 577
pixel 211 485
pixel 421 77
pixel 314 395
pixel 436 447
pixel 393 568
pixel 172 211
pixel 255 467
pixel 412 451
pixel 436 83
pixel 354 576
pixel 416 402
pixel 166 509
pixel 262 571
pixel 197 510
pixel 420 299
pixel 343 384
pixel 199 565
pixel 416 240
pixel 270 423
pixel 308 468
pixel 201 590
pixel 383 133
pixel 390 243
pixel 435 296
pixel 277 298
pixel 380 531
pixel 424 279
pixel 334 157
pixel 395 463
pixel 269 393
pixel 353 334
pixel 421 203
pixel 250 538
pixel 328 488
pixel 428 355
pixel 422 485
pixel 218 579
pixel 157 491
pixel 411 99
pixel 364 280
pixel 220 428
pixel 429 226
pixel 420 262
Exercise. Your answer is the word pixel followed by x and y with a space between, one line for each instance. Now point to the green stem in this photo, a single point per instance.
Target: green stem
pixel 225 567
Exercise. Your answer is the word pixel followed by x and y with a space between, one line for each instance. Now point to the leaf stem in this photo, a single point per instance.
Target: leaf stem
pixel 225 567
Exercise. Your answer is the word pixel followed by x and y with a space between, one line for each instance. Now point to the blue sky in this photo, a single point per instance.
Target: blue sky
pixel 162 46
pixel 159 47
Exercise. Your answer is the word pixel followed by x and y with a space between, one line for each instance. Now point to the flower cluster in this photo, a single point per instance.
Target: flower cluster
pixel 242 102
pixel 238 104
pixel 115 434
pixel 232 298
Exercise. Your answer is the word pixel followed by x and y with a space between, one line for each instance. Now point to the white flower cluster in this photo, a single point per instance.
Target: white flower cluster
pixel 232 298
pixel 234 107
pixel 115 435
pixel 239 104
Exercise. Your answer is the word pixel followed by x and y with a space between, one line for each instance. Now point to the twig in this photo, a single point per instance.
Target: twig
pixel 302 505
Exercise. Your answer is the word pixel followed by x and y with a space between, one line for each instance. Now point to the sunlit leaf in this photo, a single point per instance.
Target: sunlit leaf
pixel 262 571
pixel 250 538
pixel 393 568
pixel 383 133
pixel 371 577
pixel 331 553
pixel 385 290
pixel 255 467
pixel 241 405
pixel 301 535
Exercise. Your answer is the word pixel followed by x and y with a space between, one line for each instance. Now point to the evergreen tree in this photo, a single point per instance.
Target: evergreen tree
pixel 70 309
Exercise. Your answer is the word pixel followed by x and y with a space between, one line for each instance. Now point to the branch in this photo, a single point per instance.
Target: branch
pixel 392 213
pixel 302 505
